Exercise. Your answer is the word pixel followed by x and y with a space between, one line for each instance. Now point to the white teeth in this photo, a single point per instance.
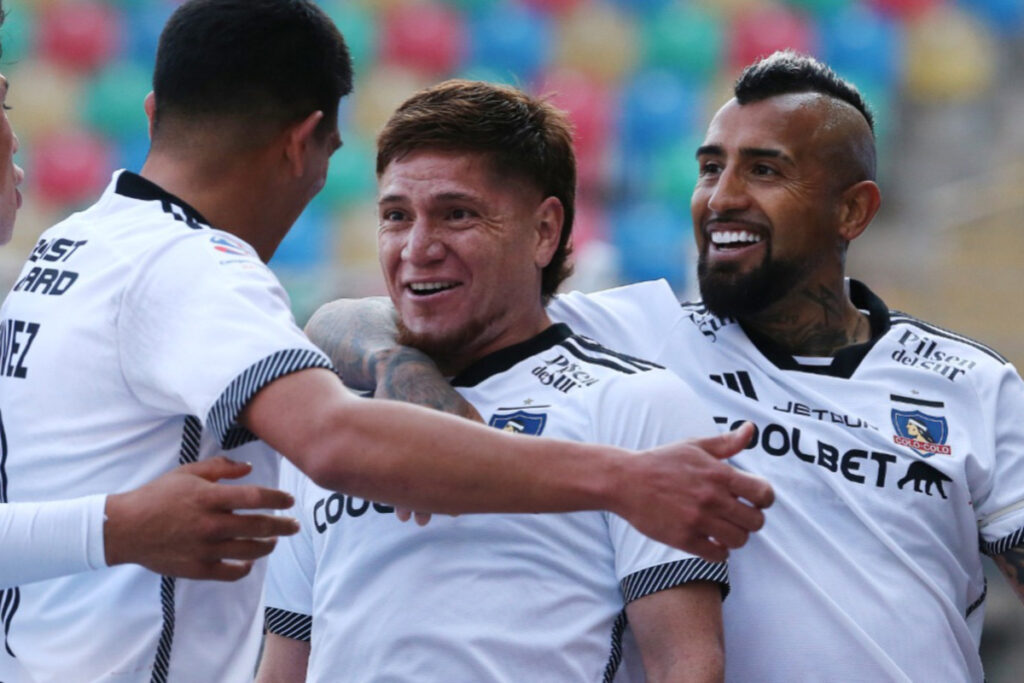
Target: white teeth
pixel 430 287
pixel 734 238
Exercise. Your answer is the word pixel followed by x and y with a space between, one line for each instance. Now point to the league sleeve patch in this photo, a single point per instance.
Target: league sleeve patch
pixel 230 246
pixel 520 422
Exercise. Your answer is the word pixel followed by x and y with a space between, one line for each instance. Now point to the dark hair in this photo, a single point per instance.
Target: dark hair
pixel 523 136
pixel 269 62
pixel 786 72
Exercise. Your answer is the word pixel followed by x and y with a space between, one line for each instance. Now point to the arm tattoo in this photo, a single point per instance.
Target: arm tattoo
pixel 354 335
pixel 409 375
pixel 1011 563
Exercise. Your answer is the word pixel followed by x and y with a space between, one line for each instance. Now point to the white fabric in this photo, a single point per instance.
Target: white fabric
pixel 866 569
pixel 498 597
pixel 149 331
pixel 62 537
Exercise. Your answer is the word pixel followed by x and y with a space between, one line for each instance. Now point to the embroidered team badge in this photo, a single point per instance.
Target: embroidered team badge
pixel 925 434
pixel 520 422
pixel 229 246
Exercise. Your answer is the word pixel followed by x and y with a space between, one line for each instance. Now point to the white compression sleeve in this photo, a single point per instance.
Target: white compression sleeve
pixel 50 539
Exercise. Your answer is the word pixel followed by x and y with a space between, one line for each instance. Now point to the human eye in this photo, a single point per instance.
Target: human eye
pixel 460 214
pixel 391 215
pixel 709 167
pixel 765 170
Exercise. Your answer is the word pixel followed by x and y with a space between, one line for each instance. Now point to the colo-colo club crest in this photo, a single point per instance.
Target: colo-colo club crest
pixel 520 422
pixel 924 433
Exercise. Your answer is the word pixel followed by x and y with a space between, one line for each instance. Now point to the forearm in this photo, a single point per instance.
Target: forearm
pixel 427 462
pixel 51 539
pixel 423 460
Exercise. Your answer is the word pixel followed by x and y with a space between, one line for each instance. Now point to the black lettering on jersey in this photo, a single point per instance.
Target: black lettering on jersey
pixel 46 281
pixel 709 324
pixel 16 337
pixel 331 509
pixel 823 415
pixel 922 351
pixel 59 249
pixel 855 465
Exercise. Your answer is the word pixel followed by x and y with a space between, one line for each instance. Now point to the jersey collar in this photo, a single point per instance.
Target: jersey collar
pixel 846 360
pixel 503 359
pixel 134 186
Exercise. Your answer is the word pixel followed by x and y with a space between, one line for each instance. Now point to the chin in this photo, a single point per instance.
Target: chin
pixel 729 293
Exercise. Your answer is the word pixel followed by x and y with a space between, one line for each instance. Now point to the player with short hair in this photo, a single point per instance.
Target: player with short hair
pixel 871 567
pixel 475 202
pixel 146 331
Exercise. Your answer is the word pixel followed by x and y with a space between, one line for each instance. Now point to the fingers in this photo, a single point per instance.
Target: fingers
pixel 217 467
pixel 243 549
pixel 753 488
pixel 222 571
pixel 729 444
pixel 232 526
pixel 707 549
pixel 247 498
pixel 422 518
pixel 403 514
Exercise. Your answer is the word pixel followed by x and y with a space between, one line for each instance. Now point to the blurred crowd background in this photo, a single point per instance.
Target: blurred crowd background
pixel 641 79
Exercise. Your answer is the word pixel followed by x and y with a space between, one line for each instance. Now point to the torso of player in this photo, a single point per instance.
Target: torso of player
pixel 868 564
pixel 499 597
pixel 74 425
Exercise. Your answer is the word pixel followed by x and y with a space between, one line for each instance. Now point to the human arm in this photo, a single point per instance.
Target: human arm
pixel 284 660
pixel 679 493
pixel 358 335
pixel 679 633
pixel 181 524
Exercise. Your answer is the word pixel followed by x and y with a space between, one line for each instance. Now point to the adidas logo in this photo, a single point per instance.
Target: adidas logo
pixel 736 381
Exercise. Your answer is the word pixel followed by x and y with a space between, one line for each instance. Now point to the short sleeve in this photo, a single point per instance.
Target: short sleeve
pixel 204 325
pixel 640 412
pixel 1001 511
pixel 288 591
pixel 634 319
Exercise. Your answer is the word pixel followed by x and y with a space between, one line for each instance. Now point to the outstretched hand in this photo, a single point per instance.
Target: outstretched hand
pixel 184 524
pixel 683 494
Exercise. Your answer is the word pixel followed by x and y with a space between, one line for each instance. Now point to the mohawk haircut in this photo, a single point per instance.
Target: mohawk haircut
pixel 787 72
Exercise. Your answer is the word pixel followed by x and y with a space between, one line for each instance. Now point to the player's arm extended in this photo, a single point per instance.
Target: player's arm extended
pixel 679 632
pixel 358 335
pixel 284 660
pixel 680 494
pixel 181 524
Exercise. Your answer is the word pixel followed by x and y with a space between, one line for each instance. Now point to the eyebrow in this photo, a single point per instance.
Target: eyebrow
pixel 443 197
pixel 750 152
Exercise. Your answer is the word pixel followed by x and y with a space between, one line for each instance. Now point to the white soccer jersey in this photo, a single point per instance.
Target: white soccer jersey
pixel 891 464
pixel 130 342
pixel 492 597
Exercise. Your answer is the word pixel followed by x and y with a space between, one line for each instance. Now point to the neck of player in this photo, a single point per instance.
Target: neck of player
pixel 815 318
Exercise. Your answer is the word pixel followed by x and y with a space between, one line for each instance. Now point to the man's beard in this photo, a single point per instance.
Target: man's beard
pixel 449 349
pixel 731 294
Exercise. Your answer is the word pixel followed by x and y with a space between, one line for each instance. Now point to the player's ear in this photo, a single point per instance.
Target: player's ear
pixel 548 221
pixel 149 104
pixel 298 142
pixel 858 205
